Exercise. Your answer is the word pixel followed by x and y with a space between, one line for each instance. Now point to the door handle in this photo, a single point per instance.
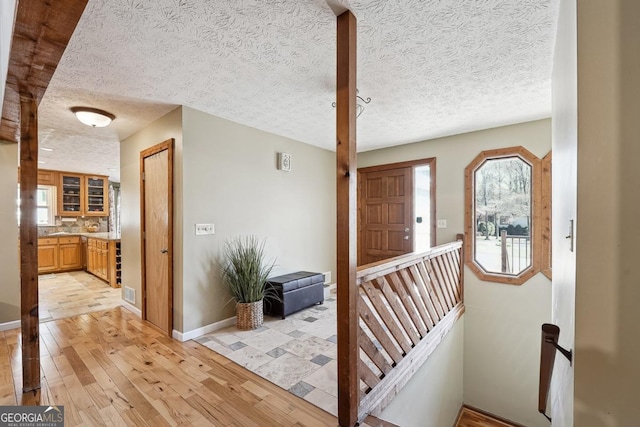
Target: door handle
pixel 406 230
pixel 164 251
pixel 406 237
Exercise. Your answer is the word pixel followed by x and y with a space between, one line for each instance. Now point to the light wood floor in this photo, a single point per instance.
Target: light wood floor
pixel 470 418
pixel 110 368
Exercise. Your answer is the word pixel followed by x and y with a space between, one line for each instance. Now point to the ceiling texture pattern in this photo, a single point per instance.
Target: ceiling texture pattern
pixel 432 68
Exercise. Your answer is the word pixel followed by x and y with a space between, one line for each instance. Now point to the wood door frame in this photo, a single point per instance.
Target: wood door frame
pixel 169 146
pixel 431 161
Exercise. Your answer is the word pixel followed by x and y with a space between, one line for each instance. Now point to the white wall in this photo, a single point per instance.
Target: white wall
pixel 502 322
pixel 9 262
pixel 168 126
pixel 231 180
pixel 565 140
pixel 607 339
pixel 438 384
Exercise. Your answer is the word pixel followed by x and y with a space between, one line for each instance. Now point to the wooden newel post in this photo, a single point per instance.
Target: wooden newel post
pixel 348 349
pixel 29 243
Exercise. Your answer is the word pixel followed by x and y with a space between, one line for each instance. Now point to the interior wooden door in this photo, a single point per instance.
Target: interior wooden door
pixel 385 202
pixel 157 234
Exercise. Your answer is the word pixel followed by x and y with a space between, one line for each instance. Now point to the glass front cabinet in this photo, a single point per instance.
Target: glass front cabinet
pixel 83 195
pixel 96 196
pixel 71 195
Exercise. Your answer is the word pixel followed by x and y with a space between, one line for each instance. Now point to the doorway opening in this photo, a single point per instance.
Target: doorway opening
pixel 396 209
pixel 156 217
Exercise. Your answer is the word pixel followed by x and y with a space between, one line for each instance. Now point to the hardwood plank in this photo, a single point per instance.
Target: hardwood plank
pixel 376 422
pixel 473 418
pixel 128 391
pixel 78 366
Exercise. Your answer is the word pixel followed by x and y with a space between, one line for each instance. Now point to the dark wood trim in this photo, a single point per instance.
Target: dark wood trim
pixel 165 145
pixel 348 348
pixel 546 226
pixel 41 33
pixel 397 165
pixel 30 319
pixel 460 236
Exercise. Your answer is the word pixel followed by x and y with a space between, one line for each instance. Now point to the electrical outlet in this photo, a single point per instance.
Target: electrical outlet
pixel 204 229
pixel 442 223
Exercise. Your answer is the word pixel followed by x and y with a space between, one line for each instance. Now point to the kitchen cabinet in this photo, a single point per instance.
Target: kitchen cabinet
pixel 96 196
pixel 83 195
pixel 47 177
pixel 115 257
pixel 47 255
pixel 70 194
pixel 69 253
pixel 98 259
pixel 59 254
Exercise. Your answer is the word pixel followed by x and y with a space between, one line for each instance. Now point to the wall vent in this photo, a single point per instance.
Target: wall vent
pixel 130 295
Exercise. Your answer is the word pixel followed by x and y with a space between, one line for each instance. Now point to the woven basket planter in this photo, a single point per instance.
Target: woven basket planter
pixel 249 315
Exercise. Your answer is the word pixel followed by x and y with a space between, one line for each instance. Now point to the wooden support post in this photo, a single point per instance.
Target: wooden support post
pixel 348 349
pixel 30 318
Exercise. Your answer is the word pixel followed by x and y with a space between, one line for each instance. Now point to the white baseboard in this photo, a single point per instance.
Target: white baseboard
pixel 132 308
pixel 10 325
pixel 329 289
pixel 195 333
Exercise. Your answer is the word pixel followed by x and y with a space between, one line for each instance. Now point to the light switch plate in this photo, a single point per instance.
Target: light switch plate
pixel 204 229
pixel 442 223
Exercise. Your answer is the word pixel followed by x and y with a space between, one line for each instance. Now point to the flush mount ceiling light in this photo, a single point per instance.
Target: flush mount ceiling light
pixel 93 116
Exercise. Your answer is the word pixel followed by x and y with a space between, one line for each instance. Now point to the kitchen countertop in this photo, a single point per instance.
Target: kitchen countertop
pixel 100 235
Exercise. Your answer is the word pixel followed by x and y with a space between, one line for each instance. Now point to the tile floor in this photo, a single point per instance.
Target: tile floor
pixel 298 353
pixel 70 294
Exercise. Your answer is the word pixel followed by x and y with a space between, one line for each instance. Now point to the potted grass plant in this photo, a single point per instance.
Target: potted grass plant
pixel 245 272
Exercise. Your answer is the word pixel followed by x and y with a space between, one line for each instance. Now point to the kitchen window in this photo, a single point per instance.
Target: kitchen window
pixel 46 205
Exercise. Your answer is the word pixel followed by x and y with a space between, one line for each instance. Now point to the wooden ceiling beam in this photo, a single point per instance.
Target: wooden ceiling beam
pixel 40 35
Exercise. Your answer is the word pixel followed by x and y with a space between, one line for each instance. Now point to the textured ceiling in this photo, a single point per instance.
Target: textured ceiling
pixel 432 68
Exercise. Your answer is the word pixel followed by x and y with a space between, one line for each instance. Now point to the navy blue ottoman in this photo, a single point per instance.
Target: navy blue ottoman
pixel 295 291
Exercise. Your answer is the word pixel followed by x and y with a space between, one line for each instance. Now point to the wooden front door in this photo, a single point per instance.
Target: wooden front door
pixel 156 186
pixel 385 227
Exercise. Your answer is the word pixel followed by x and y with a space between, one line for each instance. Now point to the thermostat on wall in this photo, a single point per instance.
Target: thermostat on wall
pixel 284 162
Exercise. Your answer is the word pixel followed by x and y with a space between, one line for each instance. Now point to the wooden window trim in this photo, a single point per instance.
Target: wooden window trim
pixel 536 211
pixel 545 261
